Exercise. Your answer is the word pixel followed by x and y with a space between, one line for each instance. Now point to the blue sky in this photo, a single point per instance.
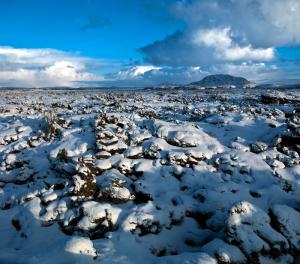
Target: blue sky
pixel 143 42
pixel 123 26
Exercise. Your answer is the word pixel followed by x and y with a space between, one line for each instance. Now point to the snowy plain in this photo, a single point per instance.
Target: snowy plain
pixel 149 176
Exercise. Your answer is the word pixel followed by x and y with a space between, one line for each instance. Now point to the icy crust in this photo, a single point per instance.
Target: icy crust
pixel 80 245
pixel 187 136
pixel 288 223
pixel 250 226
pixel 148 177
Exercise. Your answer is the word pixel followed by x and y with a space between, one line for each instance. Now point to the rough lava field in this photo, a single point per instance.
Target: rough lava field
pixel 149 176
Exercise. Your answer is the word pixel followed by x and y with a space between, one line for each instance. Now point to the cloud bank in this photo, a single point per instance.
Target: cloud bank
pixel 49 67
pixel 238 37
pixel 153 75
pixel 44 67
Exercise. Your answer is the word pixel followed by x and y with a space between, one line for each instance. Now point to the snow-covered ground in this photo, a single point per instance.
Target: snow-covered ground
pixel 154 176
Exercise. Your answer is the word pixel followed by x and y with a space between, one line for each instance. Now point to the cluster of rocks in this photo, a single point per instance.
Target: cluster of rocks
pixel 160 167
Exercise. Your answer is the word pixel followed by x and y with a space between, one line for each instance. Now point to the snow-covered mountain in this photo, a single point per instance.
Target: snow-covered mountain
pixel 223 80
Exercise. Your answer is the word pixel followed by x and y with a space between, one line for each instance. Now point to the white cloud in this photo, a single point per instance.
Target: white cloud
pixel 69 71
pixel 44 67
pixel 226 49
pixel 134 72
pixel 216 38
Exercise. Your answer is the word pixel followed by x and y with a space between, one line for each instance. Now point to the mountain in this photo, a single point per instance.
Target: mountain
pixel 222 80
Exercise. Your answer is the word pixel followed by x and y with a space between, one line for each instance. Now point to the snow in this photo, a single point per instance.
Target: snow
pixel 152 176
pixel 80 245
pixel 224 252
pixel 289 223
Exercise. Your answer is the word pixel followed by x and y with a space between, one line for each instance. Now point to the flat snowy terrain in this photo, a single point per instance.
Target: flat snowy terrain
pixel 154 176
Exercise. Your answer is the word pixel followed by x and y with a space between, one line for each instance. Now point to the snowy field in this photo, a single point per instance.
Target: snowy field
pixel 207 176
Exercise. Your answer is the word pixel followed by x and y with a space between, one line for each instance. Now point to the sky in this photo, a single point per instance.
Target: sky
pixel 46 43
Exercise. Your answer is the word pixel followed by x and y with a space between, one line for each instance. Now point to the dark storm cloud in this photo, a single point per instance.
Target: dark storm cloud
pixel 220 31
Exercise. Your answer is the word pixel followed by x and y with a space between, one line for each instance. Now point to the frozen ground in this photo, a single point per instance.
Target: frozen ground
pixel 149 176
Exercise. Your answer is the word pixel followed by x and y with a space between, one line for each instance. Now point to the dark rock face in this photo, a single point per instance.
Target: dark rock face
pixel 221 80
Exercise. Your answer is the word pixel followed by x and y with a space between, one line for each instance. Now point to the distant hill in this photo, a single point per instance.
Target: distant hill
pixel 222 80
